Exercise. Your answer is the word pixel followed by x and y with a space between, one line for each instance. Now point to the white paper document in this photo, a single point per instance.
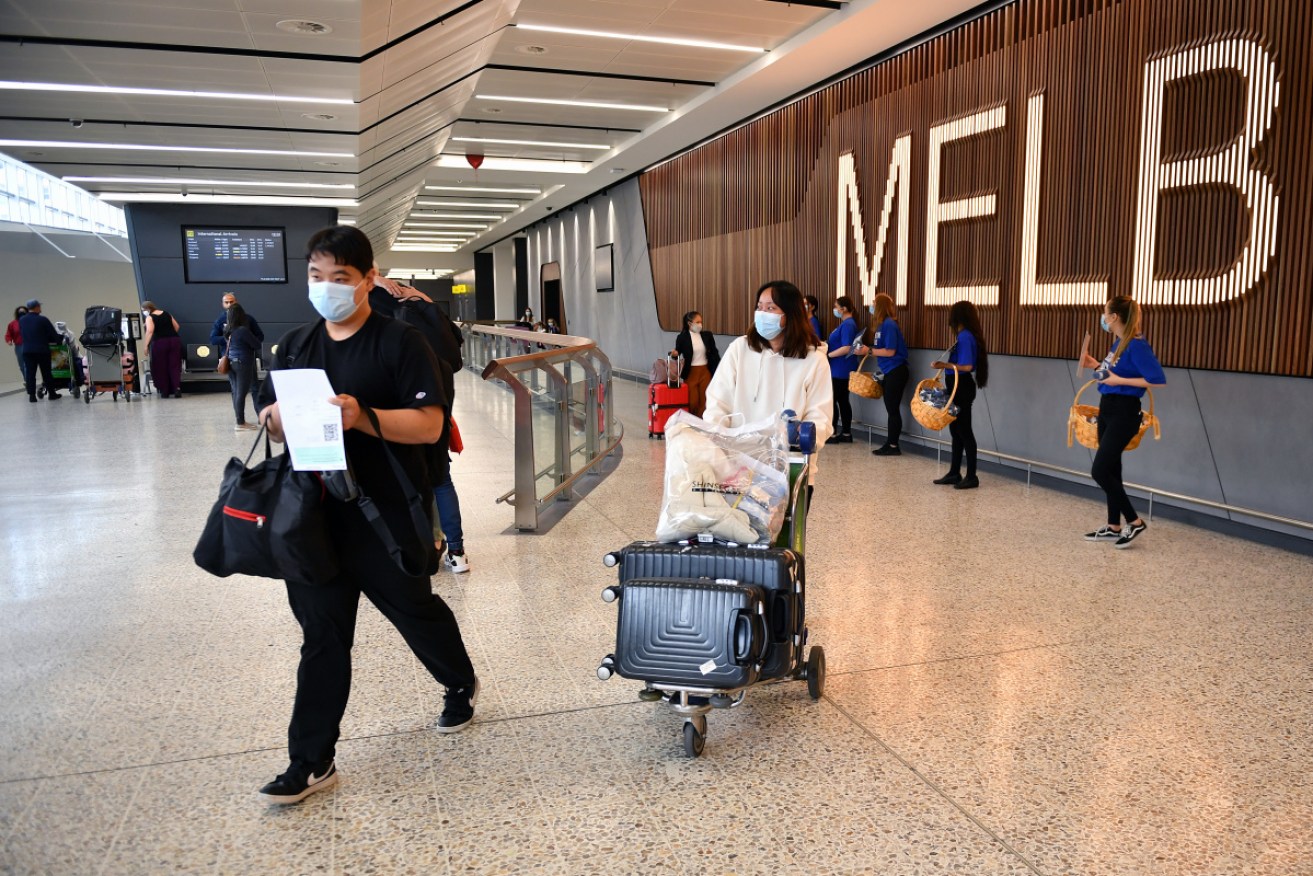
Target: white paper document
pixel 312 427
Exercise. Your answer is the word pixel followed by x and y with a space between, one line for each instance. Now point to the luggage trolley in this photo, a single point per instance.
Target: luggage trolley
pixel 103 341
pixel 701 622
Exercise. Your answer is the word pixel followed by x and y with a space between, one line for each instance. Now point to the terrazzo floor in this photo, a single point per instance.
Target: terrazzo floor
pixel 1013 701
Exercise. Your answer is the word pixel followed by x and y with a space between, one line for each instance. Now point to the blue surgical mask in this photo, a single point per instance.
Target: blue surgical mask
pixel 1103 323
pixel 838 314
pixel 768 325
pixel 335 302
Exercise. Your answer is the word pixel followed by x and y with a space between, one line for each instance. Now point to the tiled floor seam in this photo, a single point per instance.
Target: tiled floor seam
pixel 929 783
pixel 118 827
pixel 963 657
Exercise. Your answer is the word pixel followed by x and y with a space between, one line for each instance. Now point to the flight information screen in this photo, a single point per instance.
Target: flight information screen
pixel 234 255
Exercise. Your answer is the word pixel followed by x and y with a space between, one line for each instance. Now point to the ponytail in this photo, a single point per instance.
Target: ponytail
pixel 1128 311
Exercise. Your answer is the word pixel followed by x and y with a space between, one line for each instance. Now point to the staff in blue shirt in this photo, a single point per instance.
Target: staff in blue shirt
pixel 812 304
pixel 1128 370
pixel 968 353
pixel 842 363
pixel 891 355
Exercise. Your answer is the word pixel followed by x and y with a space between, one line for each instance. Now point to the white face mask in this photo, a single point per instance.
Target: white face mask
pixel 695 327
pixel 768 325
pixel 335 302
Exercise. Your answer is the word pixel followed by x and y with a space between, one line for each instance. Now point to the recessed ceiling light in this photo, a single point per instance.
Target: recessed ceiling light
pixel 165 92
pixel 305 26
pixel 139 147
pixel 553 101
pixel 641 38
pixel 532 143
pixel 256 200
pixel 526 164
pixel 171 181
pixel 498 190
pixel 489 205
pixel 319 117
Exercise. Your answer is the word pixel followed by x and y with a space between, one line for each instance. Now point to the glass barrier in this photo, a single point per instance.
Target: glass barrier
pixel 565 421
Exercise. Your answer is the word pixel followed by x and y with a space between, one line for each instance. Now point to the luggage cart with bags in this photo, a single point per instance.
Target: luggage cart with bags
pixel 103 340
pixel 704 620
pixel 66 367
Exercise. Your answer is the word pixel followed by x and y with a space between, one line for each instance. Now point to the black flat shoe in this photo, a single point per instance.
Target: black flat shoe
pixel 887 450
pixel 970 482
pixel 949 479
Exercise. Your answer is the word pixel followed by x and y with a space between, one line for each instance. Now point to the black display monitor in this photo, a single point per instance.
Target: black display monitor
pixel 234 255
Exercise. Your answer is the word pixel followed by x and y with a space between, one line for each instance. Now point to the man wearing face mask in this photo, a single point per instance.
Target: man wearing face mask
pixel 382 364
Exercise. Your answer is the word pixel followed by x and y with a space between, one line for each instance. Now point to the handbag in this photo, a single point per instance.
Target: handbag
pixel 224 365
pixel 269 521
pixel 455 442
pixel 863 384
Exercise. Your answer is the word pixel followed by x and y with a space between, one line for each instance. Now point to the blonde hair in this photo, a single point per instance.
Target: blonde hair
pixel 1125 308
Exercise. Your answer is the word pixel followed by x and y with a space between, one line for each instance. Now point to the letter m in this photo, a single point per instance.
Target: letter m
pixel 850 216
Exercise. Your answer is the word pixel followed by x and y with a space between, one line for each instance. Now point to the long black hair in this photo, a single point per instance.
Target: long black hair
pixel 688 319
pixel 963 315
pixel 799 340
pixel 236 318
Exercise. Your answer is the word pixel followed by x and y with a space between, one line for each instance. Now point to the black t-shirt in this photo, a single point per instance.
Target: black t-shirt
pixel 385 365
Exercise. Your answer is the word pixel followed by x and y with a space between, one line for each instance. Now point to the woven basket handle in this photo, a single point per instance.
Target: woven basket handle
pixel 956 374
pixel 1071 422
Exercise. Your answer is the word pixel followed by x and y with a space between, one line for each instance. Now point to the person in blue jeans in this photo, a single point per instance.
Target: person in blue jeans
pixel 243 348
pixel 890 351
pixel 968 353
pixel 842 363
pixel 1129 369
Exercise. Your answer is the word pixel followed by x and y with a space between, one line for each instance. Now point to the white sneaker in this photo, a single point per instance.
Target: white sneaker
pixel 245 427
pixel 456 562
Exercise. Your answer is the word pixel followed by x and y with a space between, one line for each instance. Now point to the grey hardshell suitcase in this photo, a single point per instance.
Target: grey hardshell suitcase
pixel 690 633
pixel 778 571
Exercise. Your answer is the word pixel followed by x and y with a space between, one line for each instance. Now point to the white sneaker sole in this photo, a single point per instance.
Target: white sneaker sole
pixel 310 789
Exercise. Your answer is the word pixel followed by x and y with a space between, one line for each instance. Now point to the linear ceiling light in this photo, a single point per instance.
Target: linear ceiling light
pixel 484 189
pixel 169 181
pixel 256 200
pixel 139 147
pixel 637 107
pixel 491 205
pixel 445 225
pixel 486 216
pixel 640 38
pixel 532 143
pixel 168 92
pixel 526 164
pixel 401 247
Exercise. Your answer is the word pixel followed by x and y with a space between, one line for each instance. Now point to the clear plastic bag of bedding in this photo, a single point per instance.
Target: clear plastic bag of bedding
pixel 729 481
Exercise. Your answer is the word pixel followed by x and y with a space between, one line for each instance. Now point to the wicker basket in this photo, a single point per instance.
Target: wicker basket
pixel 934 418
pixel 863 384
pixel 1083 423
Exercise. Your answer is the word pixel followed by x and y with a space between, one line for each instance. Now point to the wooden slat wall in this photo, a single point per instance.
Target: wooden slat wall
pixel 760 203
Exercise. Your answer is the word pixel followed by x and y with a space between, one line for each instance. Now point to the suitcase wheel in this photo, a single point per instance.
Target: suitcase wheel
pixel 816 672
pixel 695 739
pixel 607 668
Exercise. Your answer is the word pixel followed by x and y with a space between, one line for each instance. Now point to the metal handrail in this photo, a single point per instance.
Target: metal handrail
pixel 602 430
pixel 1149 491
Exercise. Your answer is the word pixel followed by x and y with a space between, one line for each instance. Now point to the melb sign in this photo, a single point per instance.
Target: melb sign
pixel 1231 168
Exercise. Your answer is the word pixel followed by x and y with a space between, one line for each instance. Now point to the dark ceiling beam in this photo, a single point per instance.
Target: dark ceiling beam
pixel 817 4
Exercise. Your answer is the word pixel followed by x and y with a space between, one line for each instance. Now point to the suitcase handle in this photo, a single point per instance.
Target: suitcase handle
pixel 747 636
pixel 779 609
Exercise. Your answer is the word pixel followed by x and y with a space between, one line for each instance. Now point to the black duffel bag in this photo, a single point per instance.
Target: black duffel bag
pixel 269 521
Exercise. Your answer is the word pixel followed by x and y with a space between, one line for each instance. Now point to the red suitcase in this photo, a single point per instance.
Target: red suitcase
pixel 662 402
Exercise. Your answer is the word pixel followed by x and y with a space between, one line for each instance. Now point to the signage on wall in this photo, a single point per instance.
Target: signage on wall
pixel 1037 161
pixel 1231 168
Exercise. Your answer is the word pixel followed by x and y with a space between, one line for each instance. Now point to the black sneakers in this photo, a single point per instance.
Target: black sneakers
pixel 949 479
pixel 1104 533
pixel 970 482
pixel 299 782
pixel 1130 533
pixel 887 450
pixel 458 708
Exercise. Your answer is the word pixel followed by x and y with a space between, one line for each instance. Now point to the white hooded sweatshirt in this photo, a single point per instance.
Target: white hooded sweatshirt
pixel 760 385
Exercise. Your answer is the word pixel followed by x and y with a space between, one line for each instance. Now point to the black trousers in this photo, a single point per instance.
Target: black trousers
pixel 843 406
pixel 39 361
pixel 241 380
pixel 1119 420
pixel 327 615
pixel 964 436
pixel 895 386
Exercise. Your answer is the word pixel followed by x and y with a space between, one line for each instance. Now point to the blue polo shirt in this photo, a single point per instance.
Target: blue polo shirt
pixel 890 337
pixel 843 336
pixel 1137 361
pixel 964 351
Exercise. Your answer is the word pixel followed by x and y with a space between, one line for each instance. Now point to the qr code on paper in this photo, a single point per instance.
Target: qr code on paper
pixel 330 431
